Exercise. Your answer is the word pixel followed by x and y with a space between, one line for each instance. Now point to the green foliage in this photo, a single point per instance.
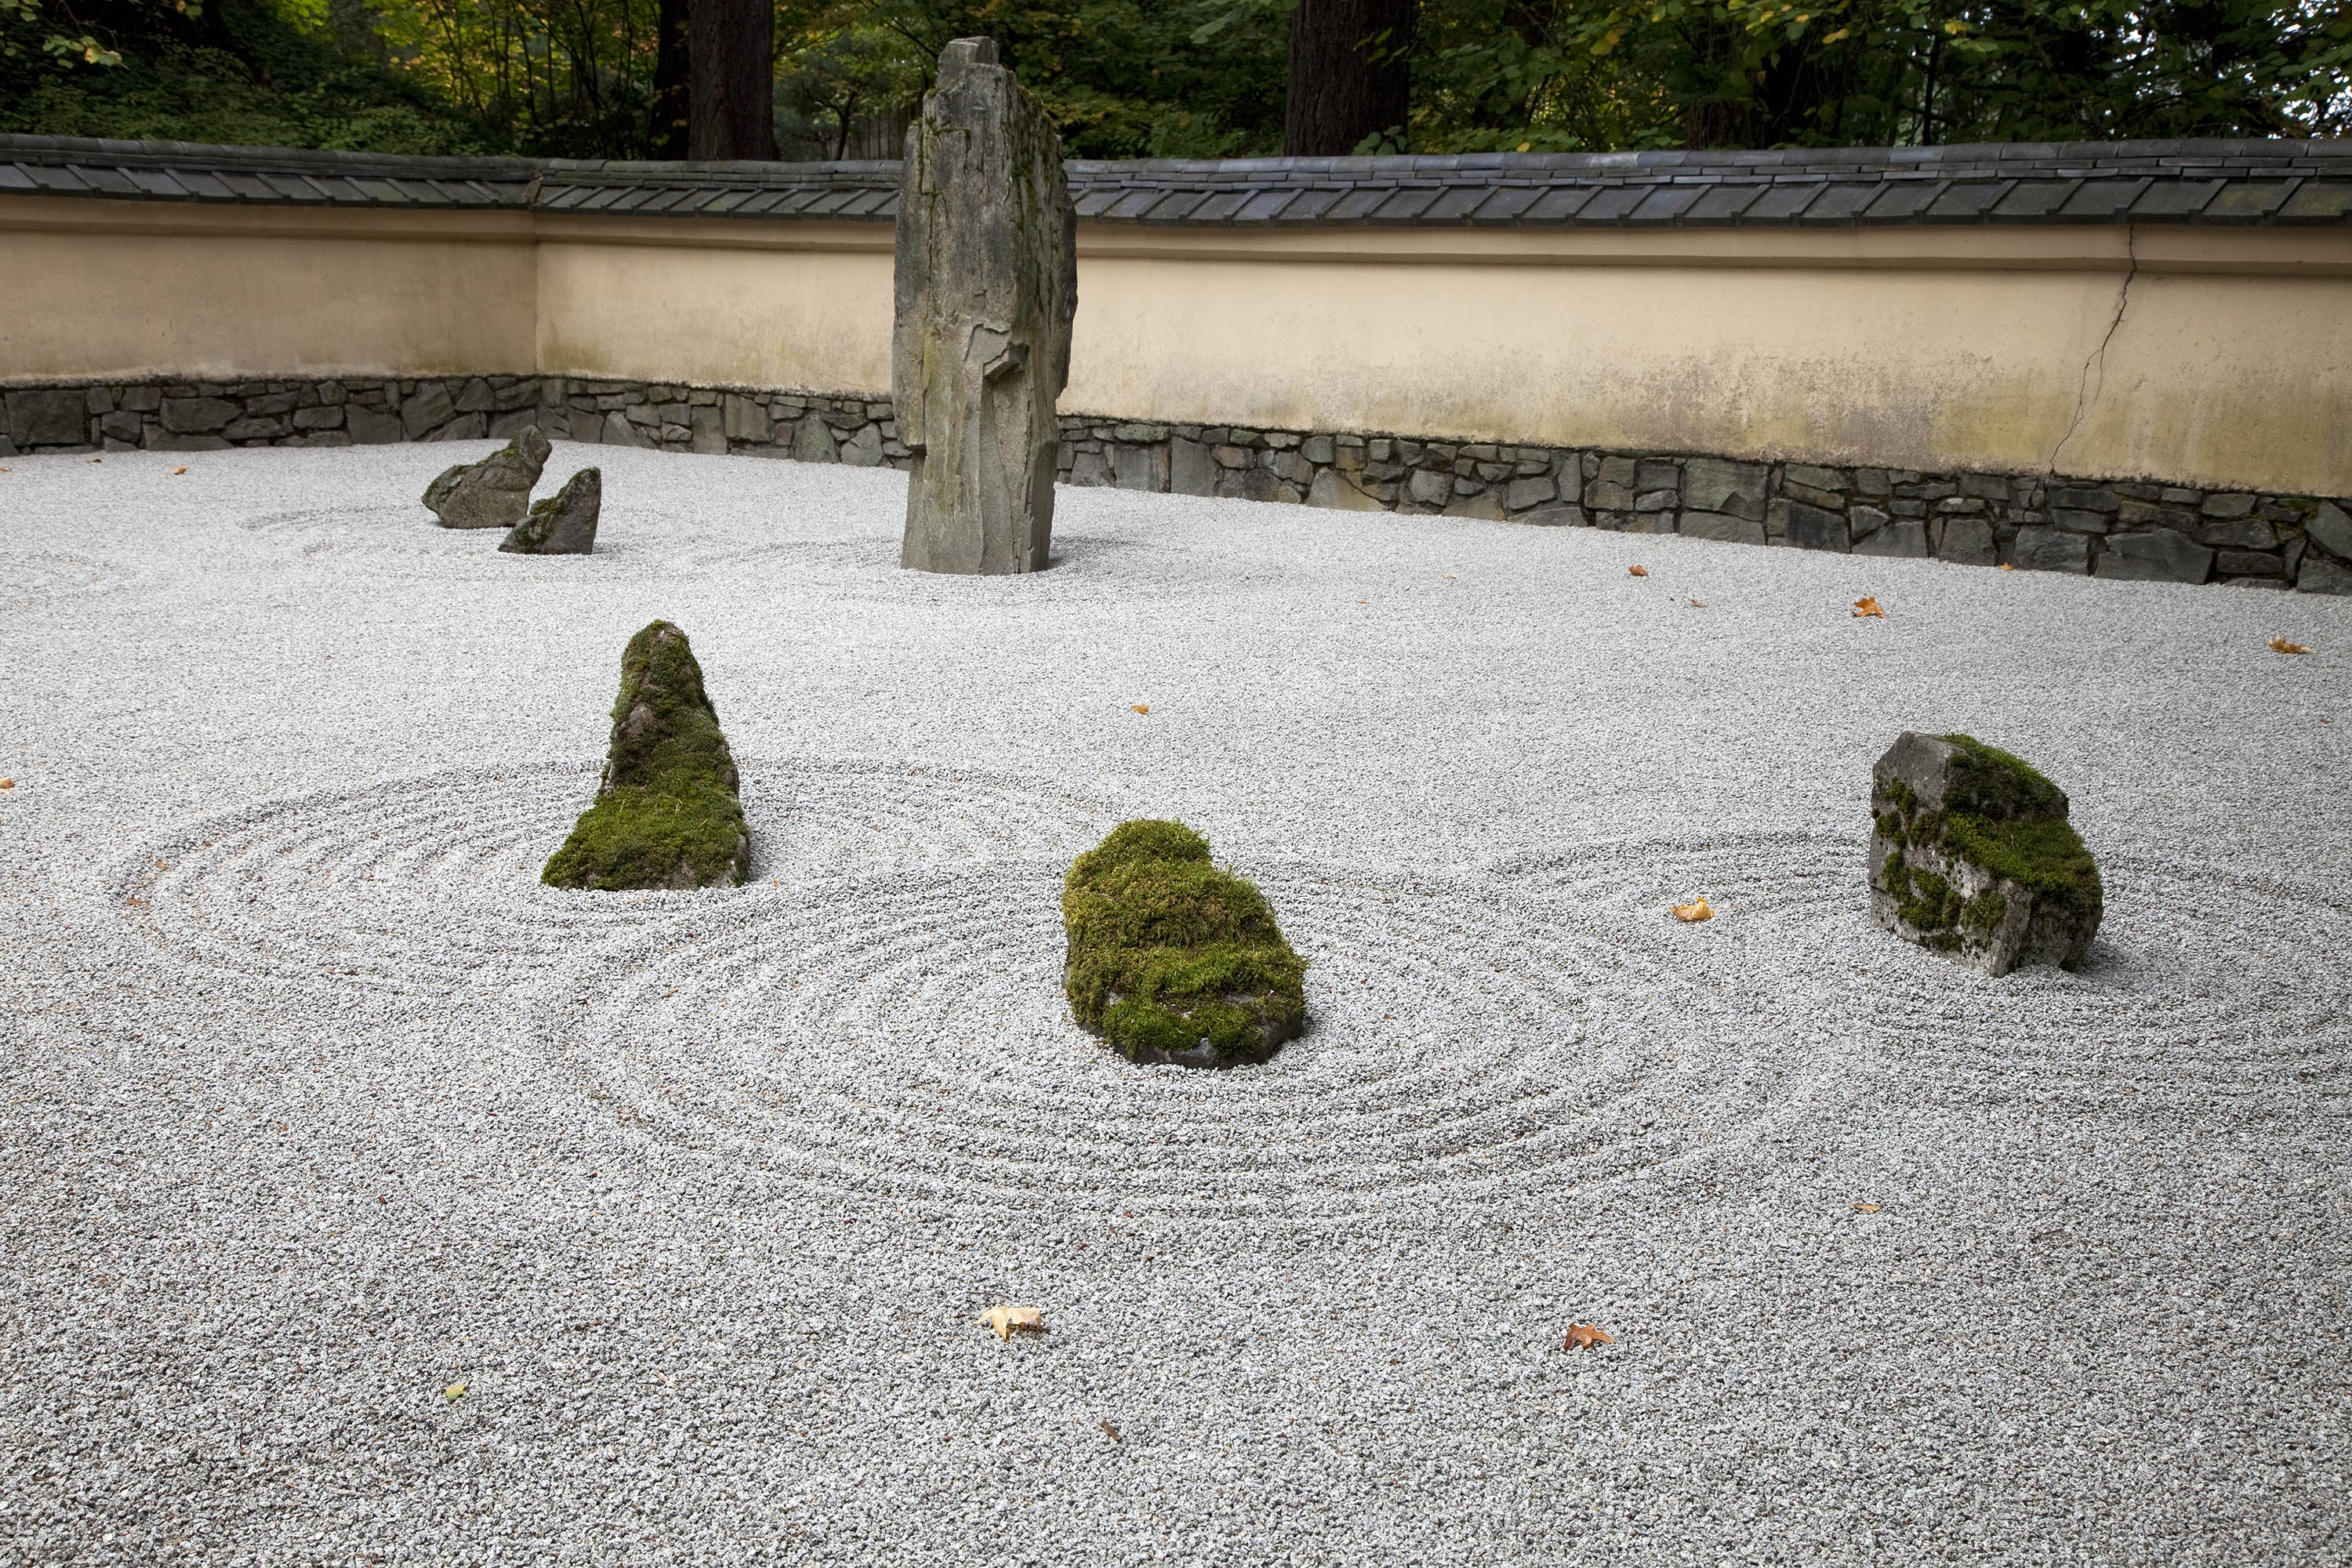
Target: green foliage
pixel 1166 951
pixel 667 815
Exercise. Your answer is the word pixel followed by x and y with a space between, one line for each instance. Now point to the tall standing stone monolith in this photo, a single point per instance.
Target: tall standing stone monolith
pixel 987 284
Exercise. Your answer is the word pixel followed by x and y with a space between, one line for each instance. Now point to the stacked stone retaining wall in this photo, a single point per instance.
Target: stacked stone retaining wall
pixel 2032 521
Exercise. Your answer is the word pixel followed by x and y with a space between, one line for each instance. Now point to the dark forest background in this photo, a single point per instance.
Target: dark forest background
pixel 1191 78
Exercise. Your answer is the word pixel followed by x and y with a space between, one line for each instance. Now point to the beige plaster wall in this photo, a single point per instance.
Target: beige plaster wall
pixel 2212 357
pixel 107 289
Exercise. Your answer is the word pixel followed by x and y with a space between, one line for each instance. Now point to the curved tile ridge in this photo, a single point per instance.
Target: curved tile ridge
pixel 2193 181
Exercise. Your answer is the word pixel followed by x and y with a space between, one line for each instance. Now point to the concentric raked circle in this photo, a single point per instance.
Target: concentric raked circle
pixel 428 885
pixel 2198 975
pixel 906 1039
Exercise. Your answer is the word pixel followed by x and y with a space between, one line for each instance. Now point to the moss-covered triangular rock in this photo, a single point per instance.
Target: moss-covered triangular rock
pixel 1973 855
pixel 667 815
pixel 1172 959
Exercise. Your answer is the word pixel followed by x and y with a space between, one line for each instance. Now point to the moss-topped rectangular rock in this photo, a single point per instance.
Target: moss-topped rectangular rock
pixel 667 814
pixel 1172 959
pixel 1971 855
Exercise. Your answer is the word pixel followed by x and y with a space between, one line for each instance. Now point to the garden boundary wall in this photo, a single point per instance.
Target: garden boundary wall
pixel 2134 359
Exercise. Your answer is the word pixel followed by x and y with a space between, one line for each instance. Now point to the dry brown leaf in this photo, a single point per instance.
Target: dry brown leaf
pixel 1110 1432
pixel 1584 1336
pixel 1002 1319
pixel 1140 706
pixel 1698 604
pixel 2009 565
pixel 181 469
pixel 2280 645
pixel 98 459
pixel 1866 605
pixel 1696 910
pixel 7 784
pixel 1865 1208
pixel 1637 571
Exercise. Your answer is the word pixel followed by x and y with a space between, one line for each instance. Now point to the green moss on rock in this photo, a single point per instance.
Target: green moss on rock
pixel 1974 855
pixel 1171 959
pixel 667 814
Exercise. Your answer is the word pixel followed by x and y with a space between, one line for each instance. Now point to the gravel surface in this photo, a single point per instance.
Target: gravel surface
pixel 317 1105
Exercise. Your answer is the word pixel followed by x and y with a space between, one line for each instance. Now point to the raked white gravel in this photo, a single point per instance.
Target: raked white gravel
pixel 317 1105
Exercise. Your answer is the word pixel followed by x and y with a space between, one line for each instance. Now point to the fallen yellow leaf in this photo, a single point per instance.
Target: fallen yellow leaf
pixel 1696 910
pixel 1584 1336
pixel 1140 706
pixel 2280 645
pixel 181 469
pixel 1866 605
pixel 1637 571
pixel 454 1393
pixel 7 784
pixel 1002 1319
pixel 98 459
pixel 1697 604
pixel 1865 1208
pixel 2009 565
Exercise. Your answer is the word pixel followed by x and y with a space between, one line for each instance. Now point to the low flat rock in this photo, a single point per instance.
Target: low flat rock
pixel 1971 855
pixel 1172 959
pixel 562 524
pixel 494 492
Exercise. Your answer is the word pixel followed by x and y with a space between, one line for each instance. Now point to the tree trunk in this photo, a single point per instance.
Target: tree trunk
pixel 730 69
pixel 1351 75
pixel 666 134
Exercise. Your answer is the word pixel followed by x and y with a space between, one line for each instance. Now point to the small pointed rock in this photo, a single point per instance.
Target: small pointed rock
pixel 494 492
pixel 562 524
pixel 667 814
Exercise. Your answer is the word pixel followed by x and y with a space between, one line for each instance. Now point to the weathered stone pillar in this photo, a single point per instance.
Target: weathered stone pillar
pixel 987 283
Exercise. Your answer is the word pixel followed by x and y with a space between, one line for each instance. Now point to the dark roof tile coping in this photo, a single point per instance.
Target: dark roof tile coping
pixel 2200 182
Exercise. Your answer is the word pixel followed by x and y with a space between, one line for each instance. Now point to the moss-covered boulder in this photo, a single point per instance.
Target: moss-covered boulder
pixel 562 524
pixel 1973 855
pixel 667 815
pixel 1172 959
pixel 494 492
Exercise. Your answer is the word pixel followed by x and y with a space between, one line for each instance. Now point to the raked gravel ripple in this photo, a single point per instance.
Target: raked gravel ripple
pixel 317 1104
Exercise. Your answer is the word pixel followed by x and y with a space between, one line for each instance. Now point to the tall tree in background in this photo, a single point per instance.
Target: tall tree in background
pixel 1351 75
pixel 730 68
pixel 666 114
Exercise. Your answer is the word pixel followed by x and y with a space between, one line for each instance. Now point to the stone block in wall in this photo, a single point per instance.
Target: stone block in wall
pixel 1827 500
pixel 2080 497
pixel 319 417
pixel 1292 468
pixel 1873 482
pixel 1091 469
pixel 1531 491
pixel 2042 549
pixel 1968 541
pixel 198 415
pixel 1907 538
pixel 1485 504
pixel 2233 533
pixel 2234 504
pixel 515 421
pixel 619 430
pixel 1806 526
pixel 707 429
pixel 1559 514
pixel 812 441
pixel 1724 526
pixel 2331 530
pixel 430 408
pixel 162 440
pixel 1607 495
pixel 1138 468
pixel 2249 563
pixel 2075 522
pixel 1718 485
pixel 1318 450
pixel 2321 575
pixel 1334 491
pixel 372 428
pixel 1657 473
pixel 142 399
pixel 1429 488
pixel 747 420
pixel 121 426
pixel 1986 486
pixel 1647 522
pixel 2160 555
pixel 258 429
pixel 864 449
pixel 465 427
